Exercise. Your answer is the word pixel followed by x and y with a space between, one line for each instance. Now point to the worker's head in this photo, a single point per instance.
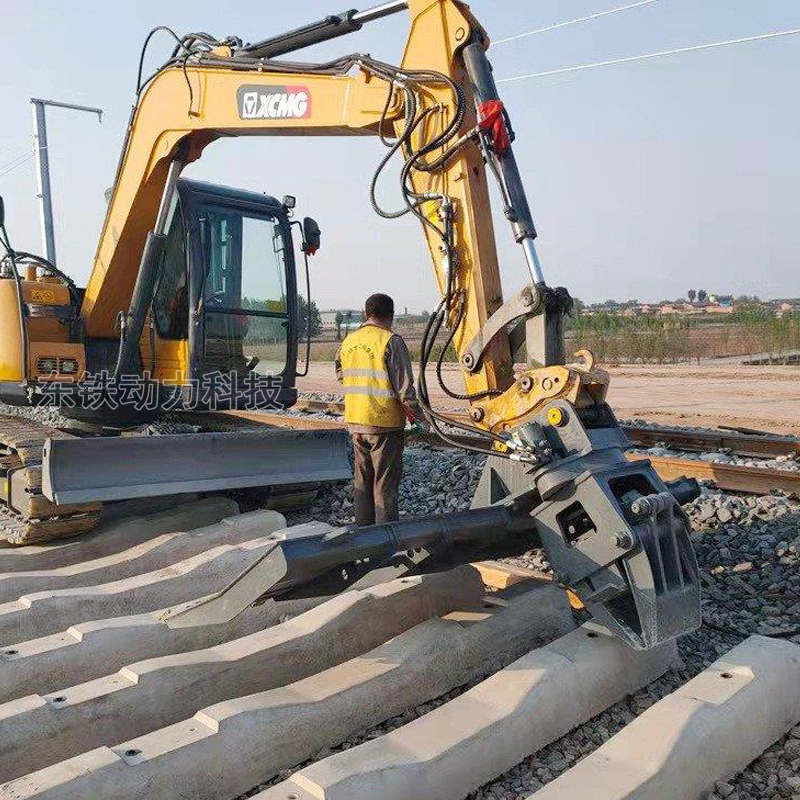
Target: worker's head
pixel 380 307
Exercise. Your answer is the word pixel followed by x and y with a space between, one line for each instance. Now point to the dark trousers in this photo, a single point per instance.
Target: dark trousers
pixel 377 471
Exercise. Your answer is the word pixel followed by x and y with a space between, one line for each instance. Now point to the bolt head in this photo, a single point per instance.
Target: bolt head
pixel 525 383
pixel 623 540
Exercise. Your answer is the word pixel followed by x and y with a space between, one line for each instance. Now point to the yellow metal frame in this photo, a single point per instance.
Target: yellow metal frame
pixel 339 105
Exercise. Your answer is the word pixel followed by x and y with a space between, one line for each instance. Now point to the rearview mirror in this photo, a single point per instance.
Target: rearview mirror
pixel 2 212
pixel 311 236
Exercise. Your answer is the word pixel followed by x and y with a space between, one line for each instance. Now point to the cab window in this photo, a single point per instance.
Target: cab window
pixel 171 296
pixel 244 293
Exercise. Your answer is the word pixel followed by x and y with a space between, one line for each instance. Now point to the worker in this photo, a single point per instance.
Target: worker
pixel 374 365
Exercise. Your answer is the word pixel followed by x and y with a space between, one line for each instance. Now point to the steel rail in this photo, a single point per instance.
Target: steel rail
pixel 729 477
pixel 742 444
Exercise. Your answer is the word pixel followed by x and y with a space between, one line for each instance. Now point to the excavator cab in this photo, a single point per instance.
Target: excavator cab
pixel 225 318
pixel 220 328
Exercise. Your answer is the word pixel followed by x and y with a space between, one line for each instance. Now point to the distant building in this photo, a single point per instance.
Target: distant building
pixel 784 307
pixel 718 308
pixel 350 319
pixel 328 320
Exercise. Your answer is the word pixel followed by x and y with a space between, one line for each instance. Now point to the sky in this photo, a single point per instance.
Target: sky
pixel 645 179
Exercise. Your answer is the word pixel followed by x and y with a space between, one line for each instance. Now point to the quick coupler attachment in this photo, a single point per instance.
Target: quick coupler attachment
pixel 612 530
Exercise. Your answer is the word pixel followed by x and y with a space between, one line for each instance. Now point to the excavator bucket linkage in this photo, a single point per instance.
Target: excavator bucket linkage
pixel 612 531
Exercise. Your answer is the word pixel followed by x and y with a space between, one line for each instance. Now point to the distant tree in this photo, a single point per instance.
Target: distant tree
pixel 426 314
pixel 702 295
pixel 316 318
pixel 338 320
pixel 691 294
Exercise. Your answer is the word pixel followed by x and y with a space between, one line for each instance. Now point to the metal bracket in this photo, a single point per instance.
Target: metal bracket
pixel 525 303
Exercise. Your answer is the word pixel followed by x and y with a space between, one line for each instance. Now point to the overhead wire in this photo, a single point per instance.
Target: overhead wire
pixel 575 21
pixel 15 163
pixel 659 54
pixel 8 147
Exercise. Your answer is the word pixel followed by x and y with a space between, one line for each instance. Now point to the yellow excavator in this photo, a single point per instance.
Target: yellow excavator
pixel 191 281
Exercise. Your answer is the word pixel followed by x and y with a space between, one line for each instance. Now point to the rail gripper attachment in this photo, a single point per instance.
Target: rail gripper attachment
pixel 317 560
pixel 611 529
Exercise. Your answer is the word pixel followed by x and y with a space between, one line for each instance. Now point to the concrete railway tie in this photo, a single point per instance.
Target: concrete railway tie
pixel 707 730
pixel 93 649
pixel 272 730
pixel 157 552
pixel 99 698
pixel 487 730
pixel 116 534
pixel 36 731
pixel 44 612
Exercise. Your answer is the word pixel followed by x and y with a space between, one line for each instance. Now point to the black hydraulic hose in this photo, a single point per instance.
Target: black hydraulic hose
pixel 429 338
pixel 439 362
pixel 410 124
pixel 50 267
pixel 384 161
pixel 434 417
pixel 382 121
pixel 150 35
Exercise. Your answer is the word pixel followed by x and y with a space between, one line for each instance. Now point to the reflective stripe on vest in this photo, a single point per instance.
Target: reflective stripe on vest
pixel 369 398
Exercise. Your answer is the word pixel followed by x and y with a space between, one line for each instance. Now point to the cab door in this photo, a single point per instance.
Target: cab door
pixel 246 342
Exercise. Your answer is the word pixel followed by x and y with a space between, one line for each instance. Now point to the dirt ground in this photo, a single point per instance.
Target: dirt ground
pixel 765 398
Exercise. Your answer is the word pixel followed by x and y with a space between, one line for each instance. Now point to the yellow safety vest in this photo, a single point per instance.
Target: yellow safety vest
pixel 369 398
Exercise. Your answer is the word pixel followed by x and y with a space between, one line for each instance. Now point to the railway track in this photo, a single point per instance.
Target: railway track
pixel 754 444
pixel 731 477
pixel 101 698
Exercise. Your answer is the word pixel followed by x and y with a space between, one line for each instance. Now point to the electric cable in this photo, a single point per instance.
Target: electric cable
pixel 575 21
pixel 628 59
pixel 15 164
pixel 19 154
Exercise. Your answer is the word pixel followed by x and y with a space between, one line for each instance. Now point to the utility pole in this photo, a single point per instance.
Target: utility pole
pixel 43 167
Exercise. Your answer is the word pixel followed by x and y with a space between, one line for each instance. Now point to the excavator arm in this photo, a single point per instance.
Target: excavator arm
pixel 434 96
pixel 556 475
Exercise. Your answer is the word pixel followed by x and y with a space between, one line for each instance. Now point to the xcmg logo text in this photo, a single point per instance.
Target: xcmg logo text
pixel 274 102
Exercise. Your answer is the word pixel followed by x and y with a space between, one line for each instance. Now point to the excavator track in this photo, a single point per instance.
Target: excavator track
pixel 26 515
